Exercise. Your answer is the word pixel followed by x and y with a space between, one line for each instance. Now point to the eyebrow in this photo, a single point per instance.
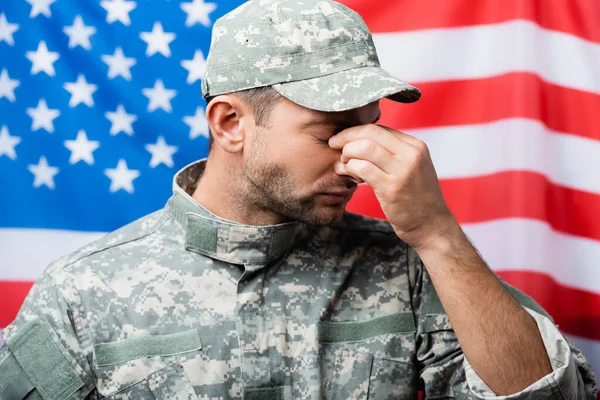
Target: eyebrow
pixel 340 123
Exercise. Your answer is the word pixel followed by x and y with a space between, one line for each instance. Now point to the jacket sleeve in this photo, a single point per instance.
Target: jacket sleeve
pixel 444 371
pixel 42 357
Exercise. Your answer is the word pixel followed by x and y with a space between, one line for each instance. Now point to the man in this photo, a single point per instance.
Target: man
pixel 253 282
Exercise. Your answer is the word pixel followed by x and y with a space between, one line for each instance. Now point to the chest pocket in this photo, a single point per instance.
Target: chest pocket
pixel 147 367
pixel 368 360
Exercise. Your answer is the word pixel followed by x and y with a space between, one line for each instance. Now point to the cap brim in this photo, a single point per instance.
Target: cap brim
pixel 348 89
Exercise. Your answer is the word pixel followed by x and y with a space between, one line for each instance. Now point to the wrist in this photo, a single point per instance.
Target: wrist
pixel 441 239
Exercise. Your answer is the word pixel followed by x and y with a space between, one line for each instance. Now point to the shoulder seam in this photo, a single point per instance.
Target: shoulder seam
pixel 160 223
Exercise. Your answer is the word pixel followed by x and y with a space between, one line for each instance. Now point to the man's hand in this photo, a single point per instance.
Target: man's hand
pixel 498 337
pixel 399 169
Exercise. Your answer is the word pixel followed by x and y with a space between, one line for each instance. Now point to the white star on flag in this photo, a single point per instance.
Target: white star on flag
pixel 159 97
pixel 40 7
pixel 121 121
pixel 43 116
pixel 158 40
pixel 161 153
pixel 82 148
pixel 44 174
pixel 118 64
pixel 198 124
pixel 79 34
pixel 6 30
pixel 42 59
pixel 8 143
pixel 198 12
pixel 8 86
pixel 196 67
pixel 121 177
pixel 81 92
pixel 118 10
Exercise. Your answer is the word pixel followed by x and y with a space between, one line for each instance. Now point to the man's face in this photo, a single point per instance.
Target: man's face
pixel 289 167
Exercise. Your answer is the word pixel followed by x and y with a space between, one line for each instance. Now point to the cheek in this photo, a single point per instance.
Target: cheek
pixel 305 159
pixel 309 159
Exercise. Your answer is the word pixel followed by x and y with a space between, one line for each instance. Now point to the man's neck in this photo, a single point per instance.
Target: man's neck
pixel 221 192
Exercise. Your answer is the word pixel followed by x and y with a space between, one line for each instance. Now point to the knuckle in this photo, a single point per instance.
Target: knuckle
pixel 367 146
pixel 363 167
pixel 372 129
pixel 416 156
pixel 422 147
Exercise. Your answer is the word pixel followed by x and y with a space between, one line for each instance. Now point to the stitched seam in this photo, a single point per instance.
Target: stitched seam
pixel 80 328
pixel 292 56
pixel 160 223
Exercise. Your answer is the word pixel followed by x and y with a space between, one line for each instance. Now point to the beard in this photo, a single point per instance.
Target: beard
pixel 273 188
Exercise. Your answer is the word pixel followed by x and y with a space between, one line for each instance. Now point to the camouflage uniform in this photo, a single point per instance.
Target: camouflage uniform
pixel 182 304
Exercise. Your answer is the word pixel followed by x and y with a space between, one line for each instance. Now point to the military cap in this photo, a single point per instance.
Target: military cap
pixel 317 53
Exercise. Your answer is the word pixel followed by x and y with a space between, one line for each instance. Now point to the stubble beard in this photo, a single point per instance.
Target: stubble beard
pixel 271 187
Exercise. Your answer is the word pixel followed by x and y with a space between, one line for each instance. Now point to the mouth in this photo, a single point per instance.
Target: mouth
pixel 338 197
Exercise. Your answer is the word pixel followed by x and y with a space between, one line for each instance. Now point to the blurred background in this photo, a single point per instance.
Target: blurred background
pixel 100 105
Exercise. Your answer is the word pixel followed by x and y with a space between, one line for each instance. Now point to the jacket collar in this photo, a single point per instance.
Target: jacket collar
pixel 228 241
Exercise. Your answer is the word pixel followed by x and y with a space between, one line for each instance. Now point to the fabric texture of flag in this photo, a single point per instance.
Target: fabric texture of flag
pixel 100 105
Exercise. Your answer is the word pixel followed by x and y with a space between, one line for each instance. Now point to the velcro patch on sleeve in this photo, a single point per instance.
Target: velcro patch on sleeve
pixel 14 382
pixel 44 363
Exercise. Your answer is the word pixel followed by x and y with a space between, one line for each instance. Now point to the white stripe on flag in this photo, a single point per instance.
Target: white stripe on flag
pixel 27 252
pixel 490 50
pixel 513 144
pixel 530 245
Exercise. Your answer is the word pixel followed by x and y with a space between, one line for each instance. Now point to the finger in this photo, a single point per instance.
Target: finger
pixel 383 136
pixel 404 136
pixel 340 169
pixel 364 170
pixel 370 150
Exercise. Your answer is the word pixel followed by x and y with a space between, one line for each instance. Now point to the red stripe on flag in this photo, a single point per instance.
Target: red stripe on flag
pixel 522 194
pixel 12 294
pixel 579 17
pixel 365 202
pixel 514 95
pixel 510 194
pixel 576 312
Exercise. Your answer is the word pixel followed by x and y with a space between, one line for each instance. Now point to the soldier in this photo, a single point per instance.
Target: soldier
pixel 254 283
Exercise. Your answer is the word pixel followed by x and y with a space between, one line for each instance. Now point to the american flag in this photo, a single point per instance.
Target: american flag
pixel 100 105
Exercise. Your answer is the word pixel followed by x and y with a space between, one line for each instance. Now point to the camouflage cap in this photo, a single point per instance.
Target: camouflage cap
pixel 317 53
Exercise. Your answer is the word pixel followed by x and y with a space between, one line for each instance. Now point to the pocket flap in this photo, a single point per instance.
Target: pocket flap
pixel 352 331
pixel 171 382
pixel 146 346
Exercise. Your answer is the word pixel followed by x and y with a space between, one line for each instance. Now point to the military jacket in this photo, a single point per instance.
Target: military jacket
pixel 182 304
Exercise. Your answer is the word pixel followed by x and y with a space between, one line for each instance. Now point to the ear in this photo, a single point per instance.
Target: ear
pixel 225 116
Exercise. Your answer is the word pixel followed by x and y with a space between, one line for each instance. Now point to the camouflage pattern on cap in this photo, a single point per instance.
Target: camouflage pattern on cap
pixel 317 53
